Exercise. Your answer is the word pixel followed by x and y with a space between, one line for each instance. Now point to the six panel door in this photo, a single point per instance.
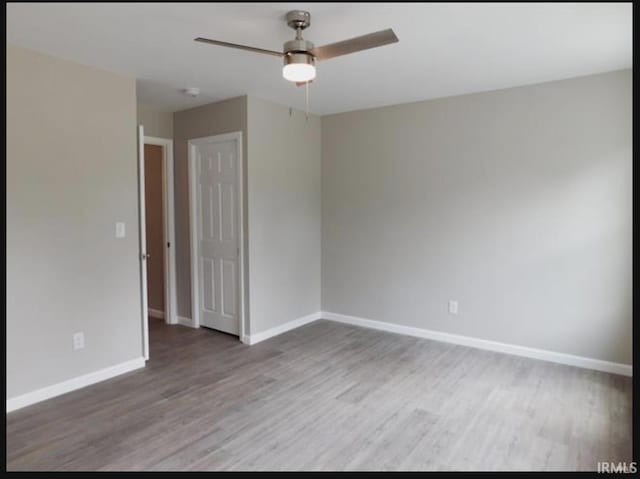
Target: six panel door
pixel 218 234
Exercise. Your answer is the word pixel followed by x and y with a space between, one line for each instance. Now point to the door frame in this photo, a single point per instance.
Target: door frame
pixel 142 245
pixel 193 227
pixel 169 239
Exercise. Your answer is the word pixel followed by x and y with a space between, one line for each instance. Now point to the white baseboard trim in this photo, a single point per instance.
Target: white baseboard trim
pixel 156 313
pixel 552 356
pixel 283 328
pixel 69 385
pixel 185 321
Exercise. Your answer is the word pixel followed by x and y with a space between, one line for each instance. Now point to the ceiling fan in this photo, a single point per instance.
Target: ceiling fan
pixel 300 55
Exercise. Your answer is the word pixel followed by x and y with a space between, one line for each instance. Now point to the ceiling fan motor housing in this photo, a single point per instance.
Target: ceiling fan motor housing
pixel 298 46
pixel 298 51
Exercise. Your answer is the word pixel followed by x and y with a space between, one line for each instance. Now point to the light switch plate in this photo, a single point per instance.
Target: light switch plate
pixel 453 307
pixel 120 232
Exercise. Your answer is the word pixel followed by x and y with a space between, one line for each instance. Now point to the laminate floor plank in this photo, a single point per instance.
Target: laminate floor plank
pixel 328 396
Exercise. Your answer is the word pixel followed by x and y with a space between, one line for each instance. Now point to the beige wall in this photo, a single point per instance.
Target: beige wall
pixel 154 208
pixel 284 155
pixel 71 175
pixel 516 203
pixel 156 123
pixel 213 119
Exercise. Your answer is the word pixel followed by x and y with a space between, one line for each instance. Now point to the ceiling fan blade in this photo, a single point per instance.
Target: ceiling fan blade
pixel 240 47
pixel 372 40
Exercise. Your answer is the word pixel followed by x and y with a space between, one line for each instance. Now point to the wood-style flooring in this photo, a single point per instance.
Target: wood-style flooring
pixel 328 396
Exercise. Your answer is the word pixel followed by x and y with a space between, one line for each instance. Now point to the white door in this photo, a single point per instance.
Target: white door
pixel 143 244
pixel 215 164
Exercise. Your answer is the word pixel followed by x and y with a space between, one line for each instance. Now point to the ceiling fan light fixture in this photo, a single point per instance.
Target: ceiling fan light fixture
pixel 299 67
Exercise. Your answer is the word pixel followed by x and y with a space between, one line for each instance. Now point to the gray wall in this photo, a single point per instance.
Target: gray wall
pixel 71 175
pixel 214 119
pixel 156 123
pixel 516 203
pixel 284 154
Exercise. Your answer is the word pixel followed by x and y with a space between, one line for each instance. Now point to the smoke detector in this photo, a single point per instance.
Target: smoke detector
pixel 192 91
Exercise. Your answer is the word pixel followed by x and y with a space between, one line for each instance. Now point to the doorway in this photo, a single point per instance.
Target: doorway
pixel 217 232
pixel 157 236
pixel 155 206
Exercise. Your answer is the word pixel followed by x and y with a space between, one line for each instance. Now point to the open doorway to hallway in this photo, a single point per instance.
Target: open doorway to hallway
pixel 158 254
pixel 157 244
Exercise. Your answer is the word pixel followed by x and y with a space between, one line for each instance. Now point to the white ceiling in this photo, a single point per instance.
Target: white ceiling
pixel 445 48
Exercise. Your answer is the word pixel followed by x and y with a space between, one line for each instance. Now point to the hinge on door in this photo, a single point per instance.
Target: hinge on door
pixel 168 245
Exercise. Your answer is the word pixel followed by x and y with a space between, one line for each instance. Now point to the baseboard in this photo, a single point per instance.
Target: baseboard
pixel 69 385
pixel 156 313
pixel 185 321
pixel 552 356
pixel 283 328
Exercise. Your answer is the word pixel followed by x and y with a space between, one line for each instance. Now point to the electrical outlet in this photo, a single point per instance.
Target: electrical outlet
pixel 453 307
pixel 78 341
